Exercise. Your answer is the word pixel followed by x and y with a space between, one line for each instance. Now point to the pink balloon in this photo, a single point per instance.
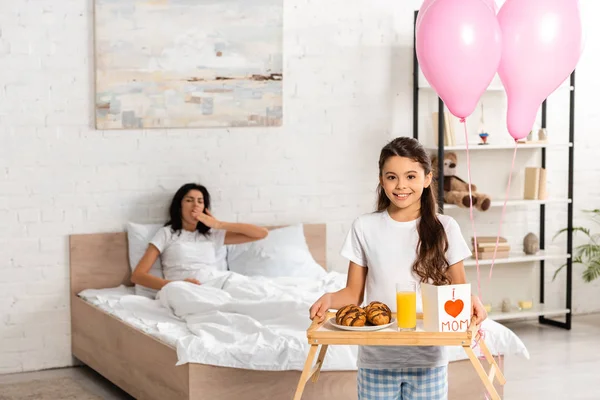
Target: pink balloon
pixel 459 47
pixel 491 4
pixel 541 42
pixel 422 11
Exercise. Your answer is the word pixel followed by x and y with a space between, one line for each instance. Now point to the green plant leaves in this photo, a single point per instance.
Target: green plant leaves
pixel 592 271
pixel 587 254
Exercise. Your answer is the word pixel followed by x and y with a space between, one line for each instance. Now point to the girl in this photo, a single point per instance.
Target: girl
pixel 404 241
pixel 191 240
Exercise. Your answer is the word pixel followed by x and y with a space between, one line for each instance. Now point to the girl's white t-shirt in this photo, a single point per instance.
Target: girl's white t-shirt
pixel 186 254
pixel 388 249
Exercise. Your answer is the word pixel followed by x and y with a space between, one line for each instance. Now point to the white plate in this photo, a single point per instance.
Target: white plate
pixel 361 328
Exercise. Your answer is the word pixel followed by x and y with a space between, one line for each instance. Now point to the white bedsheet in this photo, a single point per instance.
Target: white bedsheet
pixel 249 322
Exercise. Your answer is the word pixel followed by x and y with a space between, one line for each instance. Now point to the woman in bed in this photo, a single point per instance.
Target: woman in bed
pixel 191 241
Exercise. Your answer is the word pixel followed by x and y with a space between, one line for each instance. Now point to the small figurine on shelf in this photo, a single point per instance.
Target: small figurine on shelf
pixel 483 137
pixel 482 131
pixel 506 306
pixel 542 137
pixel 531 244
pixel 530 137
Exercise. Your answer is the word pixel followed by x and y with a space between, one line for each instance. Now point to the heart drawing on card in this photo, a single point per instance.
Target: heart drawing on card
pixel 454 307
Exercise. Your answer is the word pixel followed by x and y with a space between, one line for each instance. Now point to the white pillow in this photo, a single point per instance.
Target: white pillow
pixel 283 253
pixel 138 237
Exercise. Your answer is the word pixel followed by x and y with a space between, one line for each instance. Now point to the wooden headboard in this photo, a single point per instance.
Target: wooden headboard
pixel 100 260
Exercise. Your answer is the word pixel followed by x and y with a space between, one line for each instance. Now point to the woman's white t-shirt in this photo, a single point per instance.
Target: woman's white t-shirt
pixel 186 254
pixel 388 249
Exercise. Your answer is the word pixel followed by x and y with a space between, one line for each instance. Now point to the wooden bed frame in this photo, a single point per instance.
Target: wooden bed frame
pixel 145 367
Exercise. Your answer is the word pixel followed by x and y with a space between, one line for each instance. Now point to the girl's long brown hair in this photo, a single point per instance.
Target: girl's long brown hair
pixel 431 263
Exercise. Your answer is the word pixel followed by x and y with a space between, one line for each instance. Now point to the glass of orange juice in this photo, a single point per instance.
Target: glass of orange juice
pixel 406 306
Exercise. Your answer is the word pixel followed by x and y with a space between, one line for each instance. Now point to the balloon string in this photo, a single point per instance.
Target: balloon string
pixel 512 167
pixel 462 120
pixel 481 331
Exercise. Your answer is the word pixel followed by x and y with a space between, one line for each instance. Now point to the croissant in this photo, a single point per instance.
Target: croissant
pixel 378 313
pixel 351 315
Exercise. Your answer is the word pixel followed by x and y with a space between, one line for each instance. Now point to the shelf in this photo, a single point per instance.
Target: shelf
pixel 536 311
pixel 518 258
pixel 510 146
pixel 491 88
pixel 494 86
pixel 513 203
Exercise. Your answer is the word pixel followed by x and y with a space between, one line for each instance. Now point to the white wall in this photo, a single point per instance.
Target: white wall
pixel 347 90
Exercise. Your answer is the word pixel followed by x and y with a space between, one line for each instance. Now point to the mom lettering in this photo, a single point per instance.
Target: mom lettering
pixel 455 326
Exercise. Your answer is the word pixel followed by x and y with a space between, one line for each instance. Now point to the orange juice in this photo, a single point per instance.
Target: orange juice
pixel 406 306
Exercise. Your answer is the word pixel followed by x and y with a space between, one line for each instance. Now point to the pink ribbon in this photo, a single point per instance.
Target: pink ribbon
pixel 481 332
pixel 462 120
pixel 480 336
pixel 512 167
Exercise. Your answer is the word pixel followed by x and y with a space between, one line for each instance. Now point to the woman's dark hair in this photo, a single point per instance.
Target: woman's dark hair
pixel 175 208
pixel 430 263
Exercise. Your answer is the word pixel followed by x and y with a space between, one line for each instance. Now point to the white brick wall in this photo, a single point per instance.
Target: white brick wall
pixel 347 91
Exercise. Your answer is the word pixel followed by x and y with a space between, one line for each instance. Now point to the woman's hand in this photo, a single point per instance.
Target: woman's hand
pixel 206 218
pixel 192 280
pixel 478 310
pixel 321 306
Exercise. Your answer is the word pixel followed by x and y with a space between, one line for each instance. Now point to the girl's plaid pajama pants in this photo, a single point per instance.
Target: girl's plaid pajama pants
pixel 403 384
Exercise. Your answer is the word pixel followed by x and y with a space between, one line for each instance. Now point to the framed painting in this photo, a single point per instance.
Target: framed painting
pixel 188 63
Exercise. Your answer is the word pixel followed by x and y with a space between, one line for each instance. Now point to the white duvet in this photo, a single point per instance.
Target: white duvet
pixel 237 321
pixel 240 321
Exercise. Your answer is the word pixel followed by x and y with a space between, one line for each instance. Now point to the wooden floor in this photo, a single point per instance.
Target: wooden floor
pixel 563 364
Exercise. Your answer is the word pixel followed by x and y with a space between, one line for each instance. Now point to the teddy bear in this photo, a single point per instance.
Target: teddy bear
pixel 456 191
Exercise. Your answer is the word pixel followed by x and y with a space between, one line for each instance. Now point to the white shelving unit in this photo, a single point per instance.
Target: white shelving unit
pixel 494 86
pixel 540 309
pixel 535 311
pixel 514 203
pixel 477 147
pixel 515 258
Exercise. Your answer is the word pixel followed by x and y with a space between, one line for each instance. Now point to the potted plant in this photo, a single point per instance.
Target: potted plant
pixel 587 254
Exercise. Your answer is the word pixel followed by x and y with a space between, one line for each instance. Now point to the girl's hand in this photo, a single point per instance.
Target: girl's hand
pixel 478 310
pixel 321 306
pixel 192 280
pixel 206 218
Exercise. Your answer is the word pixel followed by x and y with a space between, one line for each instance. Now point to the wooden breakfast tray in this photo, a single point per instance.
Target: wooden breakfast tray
pixel 323 334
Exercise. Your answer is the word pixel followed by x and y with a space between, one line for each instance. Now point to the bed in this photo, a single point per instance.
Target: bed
pixel 146 367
